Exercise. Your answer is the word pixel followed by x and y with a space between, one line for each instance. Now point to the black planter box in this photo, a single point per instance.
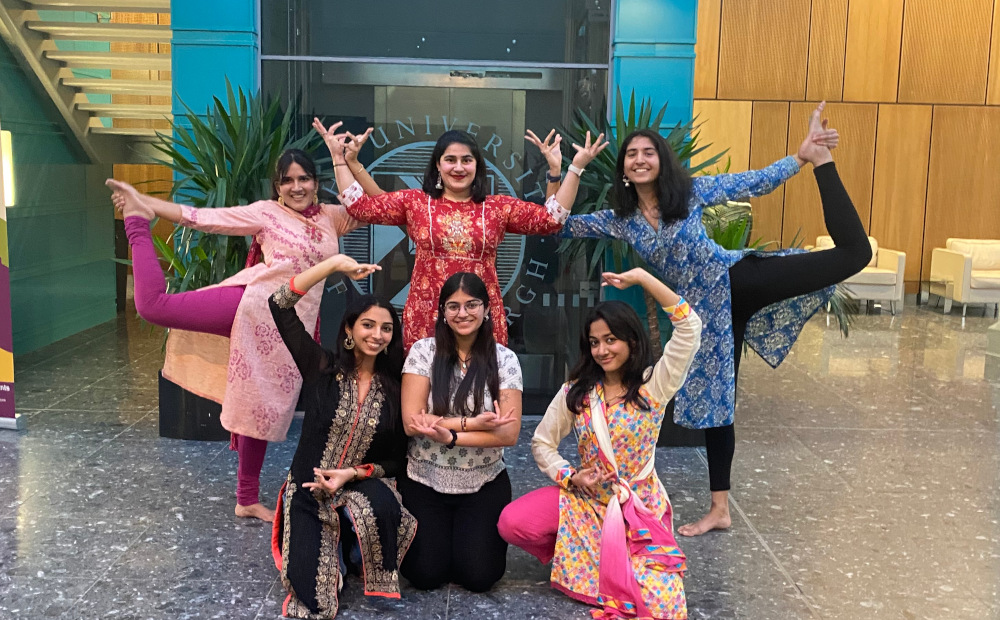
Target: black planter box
pixel 184 415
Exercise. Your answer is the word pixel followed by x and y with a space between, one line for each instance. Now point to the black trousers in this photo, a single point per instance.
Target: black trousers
pixel 757 282
pixel 457 539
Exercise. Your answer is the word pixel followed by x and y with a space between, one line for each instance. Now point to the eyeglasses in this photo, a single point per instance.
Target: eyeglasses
pixel 473 305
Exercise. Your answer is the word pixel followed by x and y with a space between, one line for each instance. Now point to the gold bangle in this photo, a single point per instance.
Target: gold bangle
pixel 463 423
pixel 360 170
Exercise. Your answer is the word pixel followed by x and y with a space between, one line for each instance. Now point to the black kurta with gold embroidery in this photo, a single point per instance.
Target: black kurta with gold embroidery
pixel 338 432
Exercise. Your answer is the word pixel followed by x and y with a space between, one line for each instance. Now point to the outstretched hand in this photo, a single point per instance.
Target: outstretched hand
pixel 624 280
pixel 586 153
pixel 590 479
pixel 334 141
pixel 430 427
pixel 820 140
pixel 549 148
pixel 353 143
pixel 346 265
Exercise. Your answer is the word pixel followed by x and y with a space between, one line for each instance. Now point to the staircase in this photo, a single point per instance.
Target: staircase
pixel 105 65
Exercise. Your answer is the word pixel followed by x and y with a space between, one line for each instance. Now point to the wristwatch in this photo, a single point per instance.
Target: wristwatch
pixel 576 170
pixel 553 178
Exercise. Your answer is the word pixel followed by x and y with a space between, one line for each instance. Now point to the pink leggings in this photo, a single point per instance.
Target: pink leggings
pixel 209 311
pixel 531 522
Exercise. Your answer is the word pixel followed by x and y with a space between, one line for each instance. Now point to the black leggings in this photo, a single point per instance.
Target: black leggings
pixel 756 282
pixel 457 539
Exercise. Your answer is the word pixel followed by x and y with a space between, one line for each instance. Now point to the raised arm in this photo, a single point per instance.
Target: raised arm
pixel 672 368
pixel 344 148
pixel 309 356
pixel 814 149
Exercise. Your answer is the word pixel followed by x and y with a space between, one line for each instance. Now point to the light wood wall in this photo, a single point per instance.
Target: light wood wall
pixel 912 85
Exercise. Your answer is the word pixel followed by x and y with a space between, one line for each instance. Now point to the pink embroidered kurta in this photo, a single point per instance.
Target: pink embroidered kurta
pixel 451 237
pixel 584 565
pixel 252 373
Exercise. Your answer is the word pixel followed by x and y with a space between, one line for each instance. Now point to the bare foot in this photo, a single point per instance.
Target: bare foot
pixel 716 519
pixel 259 511
pixel 128 200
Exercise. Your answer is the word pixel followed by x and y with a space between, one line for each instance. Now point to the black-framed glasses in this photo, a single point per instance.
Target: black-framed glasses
pixel 473 305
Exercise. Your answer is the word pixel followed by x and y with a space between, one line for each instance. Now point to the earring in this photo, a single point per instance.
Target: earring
pixel 281 200
pixel 349 342
pixel 315 198
pixel 625 178
pixel 438 185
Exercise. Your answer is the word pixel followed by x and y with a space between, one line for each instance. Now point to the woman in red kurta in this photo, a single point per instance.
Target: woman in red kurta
pixel 454 225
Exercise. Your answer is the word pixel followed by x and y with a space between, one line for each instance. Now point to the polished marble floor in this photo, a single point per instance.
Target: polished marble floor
pixel 865 486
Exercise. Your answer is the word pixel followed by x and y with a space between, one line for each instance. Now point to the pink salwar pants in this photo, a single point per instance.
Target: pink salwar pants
pixel 209 311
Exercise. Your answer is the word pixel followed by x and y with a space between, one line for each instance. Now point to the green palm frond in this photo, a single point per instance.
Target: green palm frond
pixel 224 157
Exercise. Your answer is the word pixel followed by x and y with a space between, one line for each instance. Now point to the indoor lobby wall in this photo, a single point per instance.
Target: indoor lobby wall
pixel 912 85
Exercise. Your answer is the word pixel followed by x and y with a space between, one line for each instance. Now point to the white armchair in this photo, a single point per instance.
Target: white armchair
pixel 967 271
pixel 881 279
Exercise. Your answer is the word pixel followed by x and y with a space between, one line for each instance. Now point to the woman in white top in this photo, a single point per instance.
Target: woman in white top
pixel 607 527
pixel 461 406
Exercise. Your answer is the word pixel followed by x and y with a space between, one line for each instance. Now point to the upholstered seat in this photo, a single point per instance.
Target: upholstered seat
pixel 881 279
pixel 967 271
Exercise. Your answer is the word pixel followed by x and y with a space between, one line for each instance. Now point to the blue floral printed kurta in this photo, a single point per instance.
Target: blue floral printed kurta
pixel 697 268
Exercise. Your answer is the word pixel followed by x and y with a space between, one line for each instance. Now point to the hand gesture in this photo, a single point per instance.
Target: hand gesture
pixel 429 426
pixel 128 200
pixel 549 148
pixel 353 144
pixel 622 281
pixel 816 146
pixel 586 153
pixel 346 265
pixel 329 480
pixel 590 479
pixel 491 420
pixel 333 140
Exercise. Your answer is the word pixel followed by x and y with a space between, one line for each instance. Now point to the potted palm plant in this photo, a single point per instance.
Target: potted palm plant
pixel 224 157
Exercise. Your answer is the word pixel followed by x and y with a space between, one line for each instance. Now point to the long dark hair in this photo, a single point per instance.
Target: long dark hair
pixel 285 161
pixel 624 323
pixel 388 364
pixel 482 371
pixel 448 138
pixel 673 186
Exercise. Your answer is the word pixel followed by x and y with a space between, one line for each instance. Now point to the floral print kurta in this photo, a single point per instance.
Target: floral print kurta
pixel 684 257
pixel 251 373
pixel 452 237
pixel 576 565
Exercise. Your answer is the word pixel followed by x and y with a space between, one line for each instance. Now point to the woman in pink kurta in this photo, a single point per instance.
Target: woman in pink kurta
pixel 453 223
pixel 607 527
pixel 223 342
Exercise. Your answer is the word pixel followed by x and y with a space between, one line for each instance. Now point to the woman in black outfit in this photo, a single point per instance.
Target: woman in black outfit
pixel 337 504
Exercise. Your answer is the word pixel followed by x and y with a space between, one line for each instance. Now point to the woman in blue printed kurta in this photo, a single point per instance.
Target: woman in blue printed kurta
pixel 762 298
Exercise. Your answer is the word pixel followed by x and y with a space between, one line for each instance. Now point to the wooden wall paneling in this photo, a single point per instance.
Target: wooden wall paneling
pixel 855 157
pixel 827 41
pixel 963 187
pixel 945 51
pixel 899 186
pixel 724 125
pixel 129 74
pixel 871 60
pixel 993 80
pixel 706 49
pixel 764 48
pixel 768 143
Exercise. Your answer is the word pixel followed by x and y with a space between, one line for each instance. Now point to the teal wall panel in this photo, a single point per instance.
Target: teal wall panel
pixel 61 228
pixel 653 53
pixel 210 46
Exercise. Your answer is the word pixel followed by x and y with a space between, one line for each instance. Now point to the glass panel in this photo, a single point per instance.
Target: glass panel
pixel 575 31
pixel 410 106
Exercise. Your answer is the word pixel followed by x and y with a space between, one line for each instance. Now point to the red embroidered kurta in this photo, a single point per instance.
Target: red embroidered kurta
pixel 451 237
